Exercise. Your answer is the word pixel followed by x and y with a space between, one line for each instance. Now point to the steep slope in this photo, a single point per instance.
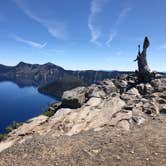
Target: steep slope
pixel 57 87
pixel 27 74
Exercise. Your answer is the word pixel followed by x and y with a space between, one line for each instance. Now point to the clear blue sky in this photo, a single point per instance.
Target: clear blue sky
pixel 82 34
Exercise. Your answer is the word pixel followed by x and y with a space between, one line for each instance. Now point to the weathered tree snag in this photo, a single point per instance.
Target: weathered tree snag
pixel 143 73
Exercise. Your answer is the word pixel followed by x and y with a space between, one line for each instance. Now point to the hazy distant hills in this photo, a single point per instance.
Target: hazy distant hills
pixel 25 74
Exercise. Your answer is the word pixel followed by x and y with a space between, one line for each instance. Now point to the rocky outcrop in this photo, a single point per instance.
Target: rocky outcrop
pixel 95 114
pixel 121 103
pixel 74 98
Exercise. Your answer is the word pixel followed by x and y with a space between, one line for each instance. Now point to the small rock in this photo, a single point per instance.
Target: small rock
pixel 124 124
pixel 94 101
pixel 148 89
pixel 96 151
pixel 163 109
pixel 155 154
pixel 132 152
pixel 138 120
pixel 117 157
pixel 119 117
pixel 151 107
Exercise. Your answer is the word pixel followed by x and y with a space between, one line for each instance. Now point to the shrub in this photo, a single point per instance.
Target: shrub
pixel 49 113
pixel 2 136
pixel 12 126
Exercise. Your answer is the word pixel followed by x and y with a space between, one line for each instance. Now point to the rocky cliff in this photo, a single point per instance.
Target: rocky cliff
pixel 117 121
pixel 25 74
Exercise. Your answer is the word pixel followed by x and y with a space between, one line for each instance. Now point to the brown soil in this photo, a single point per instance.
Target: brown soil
pixel 142 146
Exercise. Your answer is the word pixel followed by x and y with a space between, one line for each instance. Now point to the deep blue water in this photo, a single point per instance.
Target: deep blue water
pixel 20 104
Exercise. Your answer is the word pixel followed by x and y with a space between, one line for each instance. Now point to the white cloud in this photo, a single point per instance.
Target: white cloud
pixel 163 46
pixel 95 8
pixel 118 22
pixel 55 28
pixel 28 42
pixel 123 13
pixel 111 37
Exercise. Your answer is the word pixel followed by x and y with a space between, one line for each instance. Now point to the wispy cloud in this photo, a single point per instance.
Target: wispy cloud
pixel 55 28
pixel 118 22
pixel 111 38
pixel 95 8
pixel 163 46
pixel 123 13
pixel 28 42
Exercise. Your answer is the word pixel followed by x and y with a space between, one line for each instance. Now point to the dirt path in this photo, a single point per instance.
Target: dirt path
pixel 142 146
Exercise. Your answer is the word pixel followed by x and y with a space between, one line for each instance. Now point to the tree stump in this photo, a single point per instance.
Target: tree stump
pixel 144 75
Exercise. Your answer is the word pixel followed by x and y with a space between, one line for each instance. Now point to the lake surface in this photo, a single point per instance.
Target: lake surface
pixel 20 104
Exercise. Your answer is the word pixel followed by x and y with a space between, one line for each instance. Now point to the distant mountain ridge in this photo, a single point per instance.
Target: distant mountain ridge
pixel 25 74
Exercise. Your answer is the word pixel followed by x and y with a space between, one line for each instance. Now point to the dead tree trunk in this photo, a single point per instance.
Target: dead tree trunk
pixel 144 74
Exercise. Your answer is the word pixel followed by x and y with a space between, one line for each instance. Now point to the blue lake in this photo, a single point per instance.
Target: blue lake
pixel 20 104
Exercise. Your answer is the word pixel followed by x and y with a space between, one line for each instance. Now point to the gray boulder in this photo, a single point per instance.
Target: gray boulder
pixel 131 95
pixel 151 107
pixel 108 86
pixel 95 91
pixel 159 84
pixel 145 89
pixel 74 98
pixel 121 85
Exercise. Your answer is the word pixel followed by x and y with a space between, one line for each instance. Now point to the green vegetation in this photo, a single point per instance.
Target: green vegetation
pixel 12 126
pixel 57 88
pixel 49 113
pixel 52 108
pixel 2 136
pixel 9 128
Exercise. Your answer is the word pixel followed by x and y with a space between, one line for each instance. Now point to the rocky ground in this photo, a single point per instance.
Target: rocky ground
pixel 117 122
